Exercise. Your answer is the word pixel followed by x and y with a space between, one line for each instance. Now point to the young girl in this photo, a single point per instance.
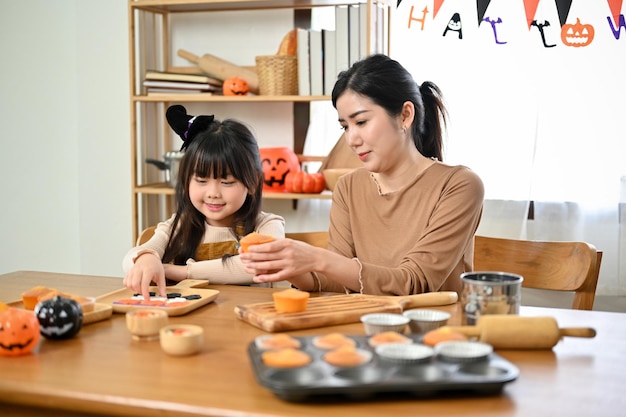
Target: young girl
pixel 405 222
pixel 218 194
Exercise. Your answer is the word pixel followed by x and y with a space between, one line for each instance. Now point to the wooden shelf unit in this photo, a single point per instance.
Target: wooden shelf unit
pixel 149 46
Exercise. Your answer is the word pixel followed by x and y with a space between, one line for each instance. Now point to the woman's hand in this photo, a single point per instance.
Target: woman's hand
pixel 279 260
pixel 147 269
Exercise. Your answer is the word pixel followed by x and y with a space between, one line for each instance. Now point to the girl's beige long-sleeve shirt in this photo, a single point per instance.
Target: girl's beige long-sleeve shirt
pixel 232 271
pixel 413 240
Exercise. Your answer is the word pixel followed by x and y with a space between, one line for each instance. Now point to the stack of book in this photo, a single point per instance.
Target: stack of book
pixel 159 82
pixel 323 54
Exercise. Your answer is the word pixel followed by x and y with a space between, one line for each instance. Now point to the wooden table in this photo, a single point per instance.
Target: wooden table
pixel 104 371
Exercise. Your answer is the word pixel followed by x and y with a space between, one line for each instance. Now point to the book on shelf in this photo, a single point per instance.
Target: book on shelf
pixel 181 85
pixel 174 76
pixel 317 62
pixel 354 21
pixel 304 67
pixel 363 41
pixel 152 90
pixel 330 60
pixel 342 38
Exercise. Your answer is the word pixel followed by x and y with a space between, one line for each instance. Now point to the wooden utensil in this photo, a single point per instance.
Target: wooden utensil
pixel 185 287
pixel 222 69
pixel 504 331
pixel 337 309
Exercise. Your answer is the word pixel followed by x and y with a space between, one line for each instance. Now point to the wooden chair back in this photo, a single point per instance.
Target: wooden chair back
pixel 546 265
pixel 145 235
pixel 319 239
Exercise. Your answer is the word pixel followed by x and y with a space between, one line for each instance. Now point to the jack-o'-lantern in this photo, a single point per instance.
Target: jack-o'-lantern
pixel 577 34
pixel 277 164
pixel 235 86
pixel 19 331
pixel 59 317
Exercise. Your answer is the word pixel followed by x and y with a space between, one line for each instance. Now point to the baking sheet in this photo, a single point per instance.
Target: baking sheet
pixel 378 377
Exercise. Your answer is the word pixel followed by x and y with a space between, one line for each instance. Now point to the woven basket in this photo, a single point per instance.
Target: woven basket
pixel 278 75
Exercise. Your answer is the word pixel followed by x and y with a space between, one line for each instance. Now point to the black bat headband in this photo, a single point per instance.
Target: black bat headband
pixel 185 125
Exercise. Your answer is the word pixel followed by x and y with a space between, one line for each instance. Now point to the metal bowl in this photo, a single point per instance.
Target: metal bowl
pixel 375 323
pixel 423 320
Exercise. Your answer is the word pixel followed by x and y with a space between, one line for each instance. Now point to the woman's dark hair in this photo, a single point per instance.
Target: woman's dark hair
pixel 214 149
pixel 389 85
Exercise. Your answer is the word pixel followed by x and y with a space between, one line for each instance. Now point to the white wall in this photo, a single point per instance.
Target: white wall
pixel 64 174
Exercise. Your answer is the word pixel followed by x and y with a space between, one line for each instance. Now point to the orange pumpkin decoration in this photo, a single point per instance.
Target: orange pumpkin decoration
pixel 19 331
pixel 577 34
pixel 303 182
pixel 277 164
pixel 235 86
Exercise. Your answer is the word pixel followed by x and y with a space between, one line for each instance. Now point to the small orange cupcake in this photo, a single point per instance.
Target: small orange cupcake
pixel 254 238
pixel 31 297
pixel 346 356
pixel 290 300
pixel 442 334
pixel 388 337
pixel 286 358
pixel 278 341
pixel 333 341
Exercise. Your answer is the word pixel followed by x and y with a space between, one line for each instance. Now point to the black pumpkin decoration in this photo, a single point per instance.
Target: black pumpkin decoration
pixel 59 317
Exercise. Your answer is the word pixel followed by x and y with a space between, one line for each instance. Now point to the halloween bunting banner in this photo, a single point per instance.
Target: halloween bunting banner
pixel 574 31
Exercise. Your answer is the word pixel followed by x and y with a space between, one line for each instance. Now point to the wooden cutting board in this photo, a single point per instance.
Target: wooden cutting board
pixel 185 288
pixel 337 309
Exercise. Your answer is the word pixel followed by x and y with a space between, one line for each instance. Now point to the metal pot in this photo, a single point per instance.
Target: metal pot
pixel 170 164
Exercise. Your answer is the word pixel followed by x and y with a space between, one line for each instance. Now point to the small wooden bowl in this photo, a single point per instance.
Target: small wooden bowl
pixel 182 339
pixel 331 176
pixel 145 324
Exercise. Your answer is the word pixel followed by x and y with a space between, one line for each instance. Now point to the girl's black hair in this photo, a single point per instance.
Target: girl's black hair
pixel 214 149
pixel 388 84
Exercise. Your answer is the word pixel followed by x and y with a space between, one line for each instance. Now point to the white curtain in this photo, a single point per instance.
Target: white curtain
pixel 541 124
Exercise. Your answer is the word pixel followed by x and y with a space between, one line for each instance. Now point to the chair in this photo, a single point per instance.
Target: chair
pixel 545 265
pixel 319 239
pixel 145 235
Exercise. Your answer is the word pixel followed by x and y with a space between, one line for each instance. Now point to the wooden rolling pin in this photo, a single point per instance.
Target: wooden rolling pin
pixel 221 69
pixel 505 331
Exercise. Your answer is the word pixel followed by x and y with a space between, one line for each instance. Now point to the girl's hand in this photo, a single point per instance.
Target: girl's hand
pixel 147 269
pixel 279 260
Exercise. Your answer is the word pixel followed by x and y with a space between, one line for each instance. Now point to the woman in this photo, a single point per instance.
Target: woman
pixel 405 222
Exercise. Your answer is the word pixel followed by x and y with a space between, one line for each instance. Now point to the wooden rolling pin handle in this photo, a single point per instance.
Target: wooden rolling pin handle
pixel 188 56
pixel 469 331
pixel 439 298
pixel 577 332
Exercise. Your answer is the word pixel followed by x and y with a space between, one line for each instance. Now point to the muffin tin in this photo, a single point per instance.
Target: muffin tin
pixel 381 376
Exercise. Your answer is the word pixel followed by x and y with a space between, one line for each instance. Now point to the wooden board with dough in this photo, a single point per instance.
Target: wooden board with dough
pixel 191 291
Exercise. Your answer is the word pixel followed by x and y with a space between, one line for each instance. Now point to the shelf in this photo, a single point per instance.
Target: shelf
pixel 151 45
pixel 326 195
pixel 227 99
pixel 190 6
pixel 164 189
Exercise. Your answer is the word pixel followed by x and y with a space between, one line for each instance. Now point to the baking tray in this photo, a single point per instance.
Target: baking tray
pixel 379 377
